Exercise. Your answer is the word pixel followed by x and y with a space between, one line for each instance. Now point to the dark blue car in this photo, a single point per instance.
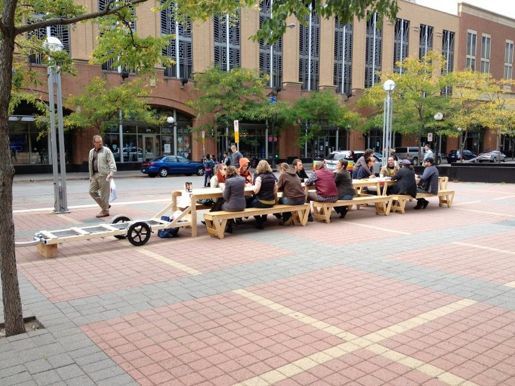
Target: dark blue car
pixel 172 164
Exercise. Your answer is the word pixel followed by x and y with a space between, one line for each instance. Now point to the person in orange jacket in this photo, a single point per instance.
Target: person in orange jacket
pixel 244 170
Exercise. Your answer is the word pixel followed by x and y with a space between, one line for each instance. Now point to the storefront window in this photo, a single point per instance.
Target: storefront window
pixel 27 146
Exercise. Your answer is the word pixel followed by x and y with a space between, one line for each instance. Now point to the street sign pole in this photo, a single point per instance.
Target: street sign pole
pixel 237 134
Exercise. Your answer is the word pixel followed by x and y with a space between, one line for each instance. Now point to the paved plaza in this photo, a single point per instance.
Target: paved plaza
pixel 422 298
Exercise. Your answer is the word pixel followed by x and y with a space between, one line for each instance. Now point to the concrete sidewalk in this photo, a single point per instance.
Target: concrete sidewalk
pixel 73 176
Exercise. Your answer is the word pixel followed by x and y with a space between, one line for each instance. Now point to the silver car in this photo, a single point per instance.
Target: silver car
pixel 491 156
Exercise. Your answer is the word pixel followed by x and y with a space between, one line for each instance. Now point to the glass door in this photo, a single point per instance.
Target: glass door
pixel 150 147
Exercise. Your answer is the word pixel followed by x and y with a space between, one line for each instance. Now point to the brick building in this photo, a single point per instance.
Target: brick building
pixel 324 54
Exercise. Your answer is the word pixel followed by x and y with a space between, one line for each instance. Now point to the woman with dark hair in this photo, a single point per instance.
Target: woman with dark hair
pixel 362 162
pixel 290 184
pixel 365 171
pixel 343 181
pixel 233 195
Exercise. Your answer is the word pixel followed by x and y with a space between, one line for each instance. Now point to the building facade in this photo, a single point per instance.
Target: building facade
pixel 320 54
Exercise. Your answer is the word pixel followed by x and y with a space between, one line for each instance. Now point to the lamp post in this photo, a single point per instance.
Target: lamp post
pixel 171 121
pixel 124 75
pixel 388 86
pixel 438 117
pixel 53 44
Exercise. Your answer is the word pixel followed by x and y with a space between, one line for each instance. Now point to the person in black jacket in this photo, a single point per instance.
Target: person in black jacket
pixel 299 169
pixel 406 183
pixel 343 181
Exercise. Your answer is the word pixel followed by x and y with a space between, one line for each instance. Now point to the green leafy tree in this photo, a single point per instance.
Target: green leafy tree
pixel 225 96
pixel 318 111
pixel 416 98
pixel 479 101
pixel 99 106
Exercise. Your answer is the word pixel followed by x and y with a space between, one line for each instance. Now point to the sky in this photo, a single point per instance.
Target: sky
pixel 503 7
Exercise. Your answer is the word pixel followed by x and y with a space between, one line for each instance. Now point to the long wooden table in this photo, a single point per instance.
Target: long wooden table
pixel 189 213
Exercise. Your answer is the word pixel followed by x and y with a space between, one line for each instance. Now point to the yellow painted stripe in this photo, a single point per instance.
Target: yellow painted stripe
pixel 503 198
pixel 170 262
pixel 486 212
pixel 511 284
pixel 354 342
pixel 483 247
pixel 466 203
pixel 381 228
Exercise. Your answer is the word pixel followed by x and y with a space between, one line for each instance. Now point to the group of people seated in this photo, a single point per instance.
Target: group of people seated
pixel 328 186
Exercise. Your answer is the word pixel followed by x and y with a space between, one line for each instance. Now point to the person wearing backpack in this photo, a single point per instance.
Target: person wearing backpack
pixel 209 164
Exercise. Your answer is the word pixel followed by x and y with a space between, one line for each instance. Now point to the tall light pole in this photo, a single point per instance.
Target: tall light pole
pixel 388 86
pixel 438 117
pixel 171 121
pixel 124 75
pixel 53 44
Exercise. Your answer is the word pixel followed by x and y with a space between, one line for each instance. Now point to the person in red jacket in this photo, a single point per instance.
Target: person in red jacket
pixel 323 179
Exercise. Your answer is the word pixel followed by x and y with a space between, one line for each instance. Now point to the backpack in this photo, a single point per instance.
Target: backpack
pixel 167 233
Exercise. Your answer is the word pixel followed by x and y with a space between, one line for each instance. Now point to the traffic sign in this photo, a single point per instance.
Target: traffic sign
pixel 429 137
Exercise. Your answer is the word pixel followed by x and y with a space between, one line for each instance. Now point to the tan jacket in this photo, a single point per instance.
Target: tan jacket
pixel 105 161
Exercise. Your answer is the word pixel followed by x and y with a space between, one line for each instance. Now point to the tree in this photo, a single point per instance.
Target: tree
pixel 225 96
pixel 99 106
pixel 480 101
pixel 416 98
pixel 319 110
pixel 119 44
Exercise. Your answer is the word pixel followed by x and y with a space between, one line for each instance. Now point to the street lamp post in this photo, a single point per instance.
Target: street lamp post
pixel 388 86
pixel 438 117
pixel 53 44
pixel 171 121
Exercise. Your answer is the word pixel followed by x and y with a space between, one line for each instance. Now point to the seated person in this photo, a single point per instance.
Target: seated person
pixel 290 184
pixel 390 169
pixel 428 182
pixel 325 186
pixel 244 170
pixel 219 176
pixel 299 169
pixel 233 195
pixel 264 190
pixel 364 172
pixel 362 162
pixel 405 177
pixel 343 181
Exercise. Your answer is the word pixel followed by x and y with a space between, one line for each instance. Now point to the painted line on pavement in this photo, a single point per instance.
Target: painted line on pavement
pixel 87 206
pixel 511 284
pixel 466 203
pixel 170 262
pixel 354 343
pixel 486 212
pixel 483 247
pixel 380 228
pixel 503 198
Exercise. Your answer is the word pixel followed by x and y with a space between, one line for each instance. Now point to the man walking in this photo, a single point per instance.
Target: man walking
pixel 235 156
pixel 101 169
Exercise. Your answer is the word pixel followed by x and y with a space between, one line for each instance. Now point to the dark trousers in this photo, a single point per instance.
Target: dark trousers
pixel 290 201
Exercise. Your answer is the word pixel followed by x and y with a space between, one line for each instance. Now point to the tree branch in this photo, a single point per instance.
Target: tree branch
pixel 73 20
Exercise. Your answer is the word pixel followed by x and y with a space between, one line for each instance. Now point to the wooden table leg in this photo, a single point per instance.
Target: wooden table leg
pixel 193 216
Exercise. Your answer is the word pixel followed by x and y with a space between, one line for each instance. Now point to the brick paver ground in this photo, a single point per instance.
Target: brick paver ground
pixel 427 297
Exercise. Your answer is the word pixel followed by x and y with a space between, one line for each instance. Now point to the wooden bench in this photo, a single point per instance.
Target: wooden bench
pixel 445 197
pixel 216 221
pixel 322 210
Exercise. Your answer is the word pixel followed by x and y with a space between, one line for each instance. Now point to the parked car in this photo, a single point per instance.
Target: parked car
pixel 454 155
pixel 411 153
pixel 332 159
pixel 491 156
pixel 172 164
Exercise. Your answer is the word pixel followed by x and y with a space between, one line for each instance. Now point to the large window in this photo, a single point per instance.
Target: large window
pixel 309 49
pixel 62 32
pixel 343 58
pixel 270 56
pixel 486 48
pixel 227 42
pixel 508 60
pixel 426 40
pixel 448 54
pixel 470 63
pixel 373 51
pixel 400 43
pixel 180 46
